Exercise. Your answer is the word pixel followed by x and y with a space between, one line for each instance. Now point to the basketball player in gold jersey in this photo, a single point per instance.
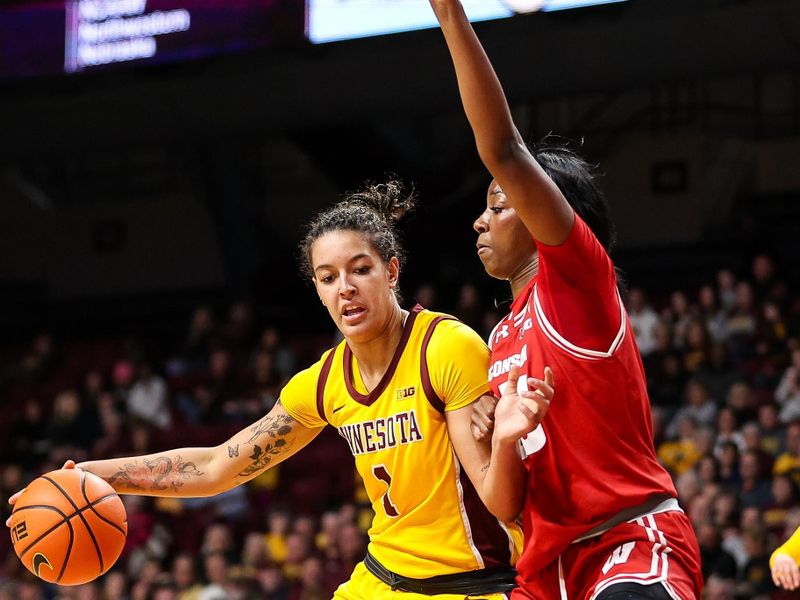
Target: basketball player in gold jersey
pixel 399 389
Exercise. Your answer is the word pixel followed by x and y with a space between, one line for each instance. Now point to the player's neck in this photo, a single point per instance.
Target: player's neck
pixel 374 357
pixel 522 277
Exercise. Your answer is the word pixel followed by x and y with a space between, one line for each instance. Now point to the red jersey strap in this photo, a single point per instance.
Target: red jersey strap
pixel 321 381
pixel 425 375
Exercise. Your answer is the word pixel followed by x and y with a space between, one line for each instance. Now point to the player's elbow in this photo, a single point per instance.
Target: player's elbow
pixel 503 507
pixel 500 155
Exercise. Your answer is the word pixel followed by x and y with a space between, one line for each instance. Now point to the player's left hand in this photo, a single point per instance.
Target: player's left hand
pixel 70 464
pixel 785 572
pixel 483 417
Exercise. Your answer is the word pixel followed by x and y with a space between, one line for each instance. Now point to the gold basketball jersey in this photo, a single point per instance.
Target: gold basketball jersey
pixel 429 519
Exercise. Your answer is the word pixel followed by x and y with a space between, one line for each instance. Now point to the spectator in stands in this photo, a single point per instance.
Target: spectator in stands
pixel 727 431
pixel 726 289
pixel 714 559
pixel 741 400
pixel 788 463
pixel 115 585
pixel 184 574
pixel 278 524
pixel 255 553
pixel 678 316
pixel 717 373
pixel 643 321
pixel 215 565
pixel 67 429
pixel 699 407
pixel 754 489
pixel 787 394
pixel 712 314
pixel 148 400
pixel 311 583
pixel 755 579
pixel 742 322
pixel 772 434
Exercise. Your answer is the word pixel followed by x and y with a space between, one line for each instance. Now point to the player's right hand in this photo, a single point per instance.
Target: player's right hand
pixel 785 572
pixel 70 464
pixel 519 412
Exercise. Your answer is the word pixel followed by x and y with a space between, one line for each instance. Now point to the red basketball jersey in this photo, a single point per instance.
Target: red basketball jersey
pixel 593 455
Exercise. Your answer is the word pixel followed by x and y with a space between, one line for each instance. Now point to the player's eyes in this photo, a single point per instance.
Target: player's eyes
pixel 496 209
pixel 326 279
pixel 362 270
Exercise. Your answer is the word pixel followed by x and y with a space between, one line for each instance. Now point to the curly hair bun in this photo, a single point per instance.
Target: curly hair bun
pixel 390 199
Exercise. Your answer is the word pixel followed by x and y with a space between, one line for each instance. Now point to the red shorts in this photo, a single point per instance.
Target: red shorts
pixel 657 549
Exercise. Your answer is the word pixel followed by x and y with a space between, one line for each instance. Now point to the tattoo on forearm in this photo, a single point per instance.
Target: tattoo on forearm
pixel 160 473
pixel 485 467
pixel 233 451
pixel 270 432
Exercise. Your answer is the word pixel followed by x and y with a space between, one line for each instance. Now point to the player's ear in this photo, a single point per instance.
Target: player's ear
pixel 393 271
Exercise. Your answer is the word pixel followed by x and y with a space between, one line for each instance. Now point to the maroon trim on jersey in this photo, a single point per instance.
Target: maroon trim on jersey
pixel 425 375
pixel 321 381
pixel 347 358
pixel 488 535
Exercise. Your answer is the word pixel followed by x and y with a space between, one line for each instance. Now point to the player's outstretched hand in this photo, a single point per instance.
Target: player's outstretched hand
pixel 522 408
pixel 785 572
pixel 70 464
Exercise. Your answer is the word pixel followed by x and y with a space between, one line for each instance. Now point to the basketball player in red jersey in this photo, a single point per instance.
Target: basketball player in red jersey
pixel 600 514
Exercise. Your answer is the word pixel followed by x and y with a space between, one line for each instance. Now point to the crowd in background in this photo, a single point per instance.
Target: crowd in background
pixel 723 369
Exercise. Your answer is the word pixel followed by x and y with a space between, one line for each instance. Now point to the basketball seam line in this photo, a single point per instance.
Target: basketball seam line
pixel 83 519
pixel 65 519
pixel 91 506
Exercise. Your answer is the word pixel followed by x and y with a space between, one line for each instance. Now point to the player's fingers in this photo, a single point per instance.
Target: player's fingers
pixel 477 432
pixel 541 402
pixel 549 379
pixel 532 408
pixel 513 377
pixel 794 577
pixel 544 388
pixel 70 464
pixel 15 497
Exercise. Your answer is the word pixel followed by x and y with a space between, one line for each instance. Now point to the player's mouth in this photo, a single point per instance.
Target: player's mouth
pixel 482 248
pixel 353 314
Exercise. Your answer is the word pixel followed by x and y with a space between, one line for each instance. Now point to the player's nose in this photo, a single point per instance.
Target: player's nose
pixel 481 224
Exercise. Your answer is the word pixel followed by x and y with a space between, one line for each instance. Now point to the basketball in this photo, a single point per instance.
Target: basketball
pixel 68 527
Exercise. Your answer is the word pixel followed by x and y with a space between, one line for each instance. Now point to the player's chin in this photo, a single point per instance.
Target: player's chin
pixel 492 268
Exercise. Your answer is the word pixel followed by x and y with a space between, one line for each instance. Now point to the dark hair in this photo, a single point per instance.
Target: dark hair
pixel 576 179
pixel 372 211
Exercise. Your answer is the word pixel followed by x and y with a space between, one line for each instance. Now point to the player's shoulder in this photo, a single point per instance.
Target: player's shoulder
pixel 308 377
pixel 447 333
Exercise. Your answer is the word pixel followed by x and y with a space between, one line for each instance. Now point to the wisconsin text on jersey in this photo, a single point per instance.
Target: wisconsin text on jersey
pixel 501 367
pixel 378 434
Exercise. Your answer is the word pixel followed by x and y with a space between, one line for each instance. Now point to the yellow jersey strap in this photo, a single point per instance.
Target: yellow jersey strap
pixel 425 375
pixel 321 381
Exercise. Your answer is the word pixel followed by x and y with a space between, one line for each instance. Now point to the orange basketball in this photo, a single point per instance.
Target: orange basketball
pixel 68 527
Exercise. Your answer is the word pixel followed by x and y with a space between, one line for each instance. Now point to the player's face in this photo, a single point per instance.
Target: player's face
pixel 504 244
pixel 354 284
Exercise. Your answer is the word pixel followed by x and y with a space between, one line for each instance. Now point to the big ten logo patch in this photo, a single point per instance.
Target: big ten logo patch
pixel 406 393
pixel 19 532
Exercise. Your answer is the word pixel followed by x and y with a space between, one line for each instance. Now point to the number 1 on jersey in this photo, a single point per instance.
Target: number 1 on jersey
pixel 381 474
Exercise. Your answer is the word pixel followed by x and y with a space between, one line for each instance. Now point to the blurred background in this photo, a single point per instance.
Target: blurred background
pixel 159 158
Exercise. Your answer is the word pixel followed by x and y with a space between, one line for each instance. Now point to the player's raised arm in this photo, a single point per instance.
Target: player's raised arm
pixel 529 190
pixel 195 472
